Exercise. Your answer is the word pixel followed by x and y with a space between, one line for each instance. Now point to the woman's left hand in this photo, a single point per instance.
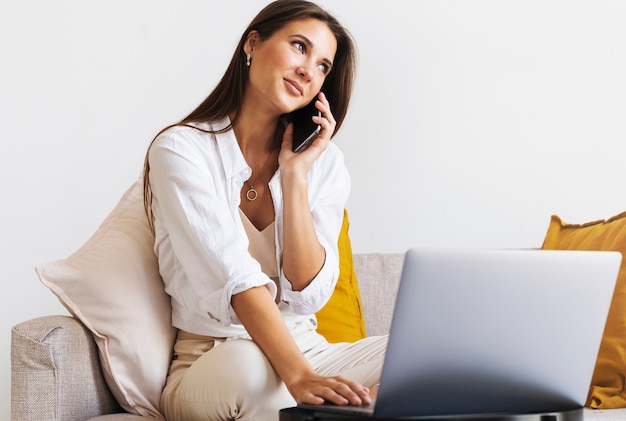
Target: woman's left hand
pixel 301 162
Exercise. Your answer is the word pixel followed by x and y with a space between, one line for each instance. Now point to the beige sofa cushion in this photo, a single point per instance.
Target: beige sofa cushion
pixel 379 278
pixel 112 284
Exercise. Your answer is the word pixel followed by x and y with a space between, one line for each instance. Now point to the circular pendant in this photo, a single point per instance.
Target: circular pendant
pixel 251 194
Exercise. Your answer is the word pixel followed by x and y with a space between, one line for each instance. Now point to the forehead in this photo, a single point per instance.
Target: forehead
pixel 322 39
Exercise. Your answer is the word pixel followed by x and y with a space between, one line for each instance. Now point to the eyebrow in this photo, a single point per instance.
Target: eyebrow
pixel 310 44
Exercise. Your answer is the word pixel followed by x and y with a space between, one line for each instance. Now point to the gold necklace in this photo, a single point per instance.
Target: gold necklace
pixel 252 194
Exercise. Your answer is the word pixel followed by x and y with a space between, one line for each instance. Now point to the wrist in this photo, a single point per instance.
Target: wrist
pixel 294 181
pixel 292 378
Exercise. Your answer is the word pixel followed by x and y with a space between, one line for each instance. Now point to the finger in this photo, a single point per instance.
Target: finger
pixel 329 394
pixel 358 394
pixel 327 123
pixel 320 394
pixel 366 396
pixel 326 111
pixel 288 133
pixel 287 139
pixel 324 100
pixel 317 146
pixel 341 393
pixel 374 392
pixel 312 399
pixel 327 128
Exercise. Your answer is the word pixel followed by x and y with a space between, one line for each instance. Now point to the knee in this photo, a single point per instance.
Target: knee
pixel 233 381
pixel 241 368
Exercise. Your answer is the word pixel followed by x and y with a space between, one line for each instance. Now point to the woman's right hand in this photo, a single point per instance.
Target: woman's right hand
pixel 316 389
pixel 259 314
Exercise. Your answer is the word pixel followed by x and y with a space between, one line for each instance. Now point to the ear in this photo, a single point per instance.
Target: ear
pixel 252 40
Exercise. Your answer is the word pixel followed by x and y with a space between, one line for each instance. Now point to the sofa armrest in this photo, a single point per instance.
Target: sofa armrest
pixel 55 372
pixel 379 278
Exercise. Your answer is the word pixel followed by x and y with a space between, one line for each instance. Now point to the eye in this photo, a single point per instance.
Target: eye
pixel 324 68
pixel 300 46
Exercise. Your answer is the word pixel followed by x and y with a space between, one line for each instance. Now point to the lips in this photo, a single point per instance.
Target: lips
pixel 294 86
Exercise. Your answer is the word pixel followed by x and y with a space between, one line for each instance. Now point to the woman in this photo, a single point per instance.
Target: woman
pixel 246 230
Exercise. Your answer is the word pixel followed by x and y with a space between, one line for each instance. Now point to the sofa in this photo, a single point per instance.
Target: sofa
pixel 56 373
pixel 55 368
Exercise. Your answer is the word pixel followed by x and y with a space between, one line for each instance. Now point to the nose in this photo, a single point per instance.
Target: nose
pixel 305 70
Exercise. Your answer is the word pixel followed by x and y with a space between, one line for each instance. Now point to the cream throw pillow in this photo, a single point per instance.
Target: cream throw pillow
pixel 112 284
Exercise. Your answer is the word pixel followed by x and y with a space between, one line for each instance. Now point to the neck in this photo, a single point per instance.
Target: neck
pixel 256 132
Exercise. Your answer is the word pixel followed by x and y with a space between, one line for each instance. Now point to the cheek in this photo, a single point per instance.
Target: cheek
pixel 279 58
pixel 286 61
pixel 263 69
pixel 319 81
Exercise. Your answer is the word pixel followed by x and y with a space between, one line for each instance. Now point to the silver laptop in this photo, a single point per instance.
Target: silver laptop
pixel 493 332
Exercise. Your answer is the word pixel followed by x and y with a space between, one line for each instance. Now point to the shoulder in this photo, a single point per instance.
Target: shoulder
pixel 184 132
pixel 190 138
pixel 331 158
pixel 334 151
pixel 330 171
pixel 182 145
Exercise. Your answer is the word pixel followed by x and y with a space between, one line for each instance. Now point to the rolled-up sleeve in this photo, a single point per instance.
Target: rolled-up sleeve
pixel 202 247
pixel 329 188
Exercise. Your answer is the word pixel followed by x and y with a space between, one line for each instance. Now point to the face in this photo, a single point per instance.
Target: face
pixel 289 68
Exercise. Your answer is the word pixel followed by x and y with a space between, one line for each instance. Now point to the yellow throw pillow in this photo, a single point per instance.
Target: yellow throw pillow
pixel 341 319
pixel 608 385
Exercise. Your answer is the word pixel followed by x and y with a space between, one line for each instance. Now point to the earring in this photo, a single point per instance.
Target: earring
pixel 248 60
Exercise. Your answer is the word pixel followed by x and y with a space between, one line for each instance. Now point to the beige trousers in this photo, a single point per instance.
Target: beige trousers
pixel 218 379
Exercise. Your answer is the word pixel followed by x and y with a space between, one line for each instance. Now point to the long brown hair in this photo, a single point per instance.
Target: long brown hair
pixel 227 96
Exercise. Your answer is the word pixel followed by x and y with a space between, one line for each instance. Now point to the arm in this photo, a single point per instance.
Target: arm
pixel 258 313
pixel 303 254
pixel 328 189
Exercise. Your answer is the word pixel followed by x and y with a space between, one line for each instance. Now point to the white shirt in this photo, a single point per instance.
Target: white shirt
pixel 202 247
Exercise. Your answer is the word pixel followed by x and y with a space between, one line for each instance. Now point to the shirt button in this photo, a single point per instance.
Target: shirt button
pixel 313 322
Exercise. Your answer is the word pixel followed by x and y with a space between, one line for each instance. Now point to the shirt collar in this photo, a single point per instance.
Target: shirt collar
pixel 230 153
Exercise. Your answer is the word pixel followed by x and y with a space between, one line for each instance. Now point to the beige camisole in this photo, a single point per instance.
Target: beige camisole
pixel 262 247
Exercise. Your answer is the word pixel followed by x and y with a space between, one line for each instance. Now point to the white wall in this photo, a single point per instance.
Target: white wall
pixel 473 122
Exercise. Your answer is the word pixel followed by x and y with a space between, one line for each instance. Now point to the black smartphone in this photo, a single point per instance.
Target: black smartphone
pixel 304 129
